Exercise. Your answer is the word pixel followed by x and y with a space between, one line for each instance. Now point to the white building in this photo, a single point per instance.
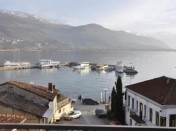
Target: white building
pixel 151 103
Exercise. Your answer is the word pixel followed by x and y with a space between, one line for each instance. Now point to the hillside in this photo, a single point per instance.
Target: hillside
pixel 22 31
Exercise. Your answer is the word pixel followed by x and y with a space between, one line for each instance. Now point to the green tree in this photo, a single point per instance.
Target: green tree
pixel 117 109
pixel 119 101
pixel 113 98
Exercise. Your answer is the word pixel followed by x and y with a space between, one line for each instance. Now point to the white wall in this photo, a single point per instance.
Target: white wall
pixel 164 111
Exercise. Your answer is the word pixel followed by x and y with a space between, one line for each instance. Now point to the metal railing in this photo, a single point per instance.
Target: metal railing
pixel 83 127
pixel 132 112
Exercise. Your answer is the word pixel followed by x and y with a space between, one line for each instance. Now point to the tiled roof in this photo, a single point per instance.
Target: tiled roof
pixel 39 90
pixel 8 118
pixel 161 90
pixel 18 102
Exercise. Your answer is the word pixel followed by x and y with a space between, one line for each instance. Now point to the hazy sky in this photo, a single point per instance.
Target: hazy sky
pixel 139 16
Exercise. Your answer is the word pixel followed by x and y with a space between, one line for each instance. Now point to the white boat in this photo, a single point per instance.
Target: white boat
pixel 82 65
pixel 47 63
pixel 110 68
pixel 102 67
pixel 16 64
pixel 119 67
pixel 130 70
pixel 84 71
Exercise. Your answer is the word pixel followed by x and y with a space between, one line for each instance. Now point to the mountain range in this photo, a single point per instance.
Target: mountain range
pixel 22 31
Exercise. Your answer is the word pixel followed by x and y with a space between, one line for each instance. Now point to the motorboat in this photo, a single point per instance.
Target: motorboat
pixel 82 65
pixel 130 70
pixel 47 63
pixel 16 64
pixel 119 67
pixel 102 67
pixel 110 68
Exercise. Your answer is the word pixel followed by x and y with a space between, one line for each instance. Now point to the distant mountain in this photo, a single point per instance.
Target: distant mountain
pixel 23 31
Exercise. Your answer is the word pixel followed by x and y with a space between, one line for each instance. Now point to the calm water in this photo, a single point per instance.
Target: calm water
pixel 150 64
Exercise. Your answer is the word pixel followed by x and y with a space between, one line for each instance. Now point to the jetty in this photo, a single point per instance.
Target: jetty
pixel 16 67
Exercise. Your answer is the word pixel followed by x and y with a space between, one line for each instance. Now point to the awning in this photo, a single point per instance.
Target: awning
pixel 48 114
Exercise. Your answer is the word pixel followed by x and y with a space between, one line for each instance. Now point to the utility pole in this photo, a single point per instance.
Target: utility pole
pixel 105 90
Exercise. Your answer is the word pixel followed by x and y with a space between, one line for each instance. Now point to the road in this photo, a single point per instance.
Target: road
pixel 88 115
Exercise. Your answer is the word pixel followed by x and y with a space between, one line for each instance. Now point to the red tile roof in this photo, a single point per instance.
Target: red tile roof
pixel 39 90
pixel 161 90
pixel 20 103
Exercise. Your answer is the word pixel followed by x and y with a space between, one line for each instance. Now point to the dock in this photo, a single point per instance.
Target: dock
pixel 16 67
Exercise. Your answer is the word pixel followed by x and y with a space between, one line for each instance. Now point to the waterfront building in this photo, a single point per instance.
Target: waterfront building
pixel 151 103
pixel 37 103
pixel 13 119
pixel 8 118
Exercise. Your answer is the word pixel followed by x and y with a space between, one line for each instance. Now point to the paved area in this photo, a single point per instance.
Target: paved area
pixel 88 115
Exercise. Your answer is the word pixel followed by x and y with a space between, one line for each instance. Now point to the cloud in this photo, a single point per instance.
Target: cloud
pixel 144 16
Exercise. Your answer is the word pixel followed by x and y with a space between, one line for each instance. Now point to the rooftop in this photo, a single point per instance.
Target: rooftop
pixel 36 89
pixel 19 102
pixel 161 90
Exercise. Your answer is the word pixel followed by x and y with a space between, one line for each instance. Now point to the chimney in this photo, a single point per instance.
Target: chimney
pixel 50 87
pixel 168 80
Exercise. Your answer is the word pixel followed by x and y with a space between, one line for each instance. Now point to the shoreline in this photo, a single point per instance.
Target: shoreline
pixel 77 50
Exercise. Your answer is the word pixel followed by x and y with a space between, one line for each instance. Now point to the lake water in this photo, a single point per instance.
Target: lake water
pixel 150 64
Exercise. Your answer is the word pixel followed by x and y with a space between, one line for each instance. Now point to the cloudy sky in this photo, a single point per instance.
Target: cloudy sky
pixel 155 18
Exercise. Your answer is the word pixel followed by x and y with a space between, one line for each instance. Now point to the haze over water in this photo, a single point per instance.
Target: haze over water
pixel 149 64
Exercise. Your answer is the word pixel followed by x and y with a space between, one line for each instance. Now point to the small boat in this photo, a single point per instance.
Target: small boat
pixel 119 67
pixel 83 71
pixel 130 70
pixel 103 67
pixel 110 68
pixel 16 64
pixel 82 65
pixel 47 63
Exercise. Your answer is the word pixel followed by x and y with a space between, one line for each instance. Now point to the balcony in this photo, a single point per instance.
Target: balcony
pixel 135 117
pixel 132 112
pixel 82 127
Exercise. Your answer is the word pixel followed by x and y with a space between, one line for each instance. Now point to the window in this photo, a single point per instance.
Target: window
pixel 157 118
pixel 151 114
pixel 162 121
pixel 144 111
pixel 132 103
pixel 131 122
pixel 172 121
pixel 137 106
pixel 128 100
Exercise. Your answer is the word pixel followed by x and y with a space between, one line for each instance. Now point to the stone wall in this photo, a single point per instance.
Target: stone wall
pixel 30 118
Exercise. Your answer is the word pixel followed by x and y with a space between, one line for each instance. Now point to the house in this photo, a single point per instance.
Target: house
pixel 8 118
pixel 151 103
pixel 38 104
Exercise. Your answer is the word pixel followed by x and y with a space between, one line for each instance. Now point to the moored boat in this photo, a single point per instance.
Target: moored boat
pixel 16 64
pixel 47 63
pixel 130 70
pixel 119 67
pixel 82 65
